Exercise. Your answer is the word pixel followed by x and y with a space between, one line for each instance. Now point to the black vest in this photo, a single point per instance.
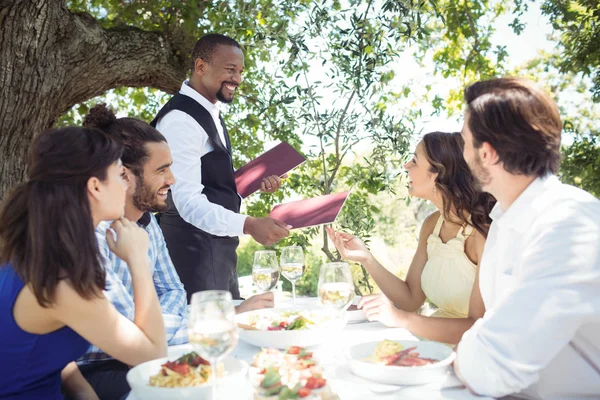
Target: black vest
pixel 217 165
pixel 204 261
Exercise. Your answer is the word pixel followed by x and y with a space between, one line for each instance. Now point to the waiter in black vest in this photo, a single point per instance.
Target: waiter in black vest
pixel 203 223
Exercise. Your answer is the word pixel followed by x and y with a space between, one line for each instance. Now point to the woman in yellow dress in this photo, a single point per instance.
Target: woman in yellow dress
pixel 444 268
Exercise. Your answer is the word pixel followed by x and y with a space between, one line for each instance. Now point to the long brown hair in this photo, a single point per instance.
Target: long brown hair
pixel 46 228
pixel 456 183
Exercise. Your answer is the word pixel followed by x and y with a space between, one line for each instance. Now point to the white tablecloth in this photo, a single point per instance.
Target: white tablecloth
pixel 333 356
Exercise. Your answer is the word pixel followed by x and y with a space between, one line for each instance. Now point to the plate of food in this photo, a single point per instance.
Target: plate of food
pixel 185 377
pixel 289 374
pixel 402 362
pixel 282 328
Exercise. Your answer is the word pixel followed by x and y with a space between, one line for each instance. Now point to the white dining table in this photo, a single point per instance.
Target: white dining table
pixel 333 355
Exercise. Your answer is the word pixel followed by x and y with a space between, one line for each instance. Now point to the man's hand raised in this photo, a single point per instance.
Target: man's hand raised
pixel 271 183
pixel 266 231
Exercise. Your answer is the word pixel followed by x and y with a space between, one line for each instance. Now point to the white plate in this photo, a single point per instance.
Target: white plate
pixel 394 375
pixel 284 339
pixel 228 386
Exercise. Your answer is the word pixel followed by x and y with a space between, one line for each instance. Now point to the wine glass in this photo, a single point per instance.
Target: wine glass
pixel 212 330
pixel 292 266
pixel 265 270
pixel 336 287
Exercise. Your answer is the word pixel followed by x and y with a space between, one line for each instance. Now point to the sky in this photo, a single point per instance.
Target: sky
pixel 409 72
pixel 520 48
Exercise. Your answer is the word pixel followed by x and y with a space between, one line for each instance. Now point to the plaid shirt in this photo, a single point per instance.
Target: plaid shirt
pixel 119 288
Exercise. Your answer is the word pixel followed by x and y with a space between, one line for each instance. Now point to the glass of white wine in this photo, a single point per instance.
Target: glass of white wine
pixel 212 330
pixel 336 287
pixel 292 266
pixel 265 270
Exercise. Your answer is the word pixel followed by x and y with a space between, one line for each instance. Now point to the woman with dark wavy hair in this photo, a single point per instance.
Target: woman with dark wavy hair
pixel 445 266
pixel 51 273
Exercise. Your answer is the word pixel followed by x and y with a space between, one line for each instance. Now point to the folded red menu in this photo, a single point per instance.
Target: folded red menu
pixel 277 161
pixel 310 212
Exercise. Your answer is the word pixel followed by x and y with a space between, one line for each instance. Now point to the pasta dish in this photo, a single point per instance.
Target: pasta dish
pixel 188 370
pixel 389 352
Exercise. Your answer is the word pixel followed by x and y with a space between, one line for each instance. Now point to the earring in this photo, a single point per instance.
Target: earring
pixel 434 188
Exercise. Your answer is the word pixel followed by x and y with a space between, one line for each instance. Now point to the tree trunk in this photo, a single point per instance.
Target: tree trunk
pixel 52 59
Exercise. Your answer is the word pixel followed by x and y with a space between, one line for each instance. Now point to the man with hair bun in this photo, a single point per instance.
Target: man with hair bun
pixel 540 270
pixel 147 161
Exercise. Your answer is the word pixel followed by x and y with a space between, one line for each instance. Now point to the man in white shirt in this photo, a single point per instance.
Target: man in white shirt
pixel 203 223
pixel 540 270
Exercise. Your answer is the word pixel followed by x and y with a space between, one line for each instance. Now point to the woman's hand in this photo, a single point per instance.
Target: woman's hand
pixel 131 243
pixel 349 246
pixel 377 307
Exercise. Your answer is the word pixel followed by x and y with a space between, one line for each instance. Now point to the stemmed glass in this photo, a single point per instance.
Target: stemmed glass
pixel 292 266
pixel 336 287
pixel 265 270
pixel 212 330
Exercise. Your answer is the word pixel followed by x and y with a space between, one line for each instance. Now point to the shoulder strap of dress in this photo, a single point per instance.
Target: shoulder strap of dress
pixel 465 231
pixel 438 225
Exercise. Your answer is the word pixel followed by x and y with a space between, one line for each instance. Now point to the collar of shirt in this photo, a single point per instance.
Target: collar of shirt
pixel 144 220
pixel 522 211
pixel 187 90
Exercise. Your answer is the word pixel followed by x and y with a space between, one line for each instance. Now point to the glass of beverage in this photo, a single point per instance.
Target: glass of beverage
pixel 265 270
pixel 292 266
pixel 212 330
pixel 336 287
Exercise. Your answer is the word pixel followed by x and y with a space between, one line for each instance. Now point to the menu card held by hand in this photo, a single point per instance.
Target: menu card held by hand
pixel 277 161
pixel 310 212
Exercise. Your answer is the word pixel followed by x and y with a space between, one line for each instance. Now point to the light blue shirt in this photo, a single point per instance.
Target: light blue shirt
pixel 119 288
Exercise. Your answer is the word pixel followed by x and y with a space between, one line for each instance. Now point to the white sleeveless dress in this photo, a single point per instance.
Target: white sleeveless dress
pixel 448 277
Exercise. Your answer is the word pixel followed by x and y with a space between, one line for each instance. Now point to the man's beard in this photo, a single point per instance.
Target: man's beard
pixel 144 198
pixel 481 175
pixel 221 97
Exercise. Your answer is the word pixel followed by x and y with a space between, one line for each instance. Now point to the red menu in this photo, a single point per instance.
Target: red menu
pixel 310 212
pixel 277 161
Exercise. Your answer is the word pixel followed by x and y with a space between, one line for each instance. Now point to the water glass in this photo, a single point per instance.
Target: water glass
pixel 336 287
pixel 212 330
pixel 265 270
pixel 292 266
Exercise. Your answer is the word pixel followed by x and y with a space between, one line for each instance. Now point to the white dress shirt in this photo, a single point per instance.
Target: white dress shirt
pixel 540 282
pixel 189 142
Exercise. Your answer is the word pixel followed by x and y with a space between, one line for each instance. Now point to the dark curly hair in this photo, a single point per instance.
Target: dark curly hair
pixel 206 45
pixel 132 133
pixel 456 183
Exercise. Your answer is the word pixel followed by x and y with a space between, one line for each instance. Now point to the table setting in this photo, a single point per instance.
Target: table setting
pixel 317 348
pixel 334 354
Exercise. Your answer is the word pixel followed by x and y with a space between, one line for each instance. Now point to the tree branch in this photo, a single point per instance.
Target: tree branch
pixel 325 248
pixel 476 45
pixel 337 140
pixel 102 59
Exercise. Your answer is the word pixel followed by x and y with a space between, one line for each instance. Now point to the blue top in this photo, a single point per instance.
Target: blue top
pixel 30 364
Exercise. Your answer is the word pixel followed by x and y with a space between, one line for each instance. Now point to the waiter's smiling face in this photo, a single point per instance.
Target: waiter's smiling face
pixel 151 184
pixel 219 77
